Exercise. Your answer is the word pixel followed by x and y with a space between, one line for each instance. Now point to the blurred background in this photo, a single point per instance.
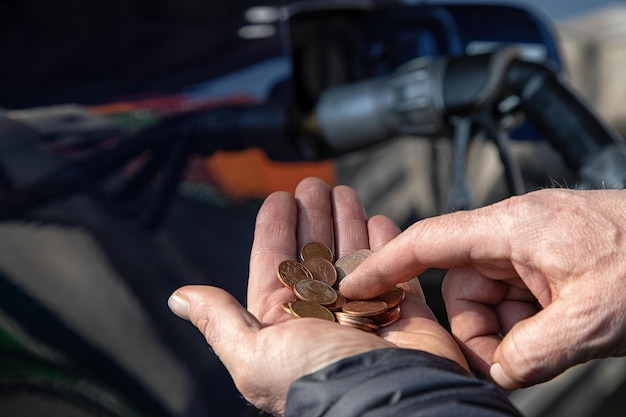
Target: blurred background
pixel 138 139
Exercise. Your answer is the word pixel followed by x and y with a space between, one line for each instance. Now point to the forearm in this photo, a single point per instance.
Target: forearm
pixel 395 382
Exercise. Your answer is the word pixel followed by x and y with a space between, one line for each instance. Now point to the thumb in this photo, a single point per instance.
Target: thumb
pixel 539 348
pixel 220 318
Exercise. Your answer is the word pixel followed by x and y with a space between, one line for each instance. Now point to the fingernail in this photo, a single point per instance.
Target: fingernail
pixel 179 306
pixel 501 378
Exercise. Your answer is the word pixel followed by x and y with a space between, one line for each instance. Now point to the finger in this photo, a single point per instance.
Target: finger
pixel 470 299
pixel 228 328
pixel 381 230
pixel 314 212
pixel 350 221
pixel 452 240
pixel 541 347
pixel 274 242
pixel 517 305
pixel 480 310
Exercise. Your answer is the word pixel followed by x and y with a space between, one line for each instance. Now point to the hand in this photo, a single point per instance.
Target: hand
pixel 547 270
pixel 264 348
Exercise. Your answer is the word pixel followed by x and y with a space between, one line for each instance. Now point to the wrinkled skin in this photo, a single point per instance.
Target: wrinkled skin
pixel 264 348
pixel 536 283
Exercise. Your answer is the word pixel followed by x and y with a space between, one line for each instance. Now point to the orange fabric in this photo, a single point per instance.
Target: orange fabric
pixel 251 173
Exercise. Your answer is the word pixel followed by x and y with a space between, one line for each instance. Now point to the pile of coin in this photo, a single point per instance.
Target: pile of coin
pixel 315 279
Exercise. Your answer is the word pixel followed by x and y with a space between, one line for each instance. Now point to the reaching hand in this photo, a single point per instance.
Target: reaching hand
pixel 537 282
pixel 264 348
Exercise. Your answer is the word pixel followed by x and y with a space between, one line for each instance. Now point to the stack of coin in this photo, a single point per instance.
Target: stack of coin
pixel 314 281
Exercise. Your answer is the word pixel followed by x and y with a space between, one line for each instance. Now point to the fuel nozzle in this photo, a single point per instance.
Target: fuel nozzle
pixel 426 96
pixel 408 101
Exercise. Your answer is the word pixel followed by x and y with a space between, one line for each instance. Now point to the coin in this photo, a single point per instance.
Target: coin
pixel 316 250
pixel 286 308
pixel 300 308
pixel 392 297
pixel 322 270
pixel 354 319
pixel 388 317
pixel 357 326
pixel 316 291
pixel 362 323
pixel 336 306
pixel 289 272
pixel 348 263
pixel 364 308
pixel 312 283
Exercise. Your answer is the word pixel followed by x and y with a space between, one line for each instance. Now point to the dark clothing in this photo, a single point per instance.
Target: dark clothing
pixel 395 382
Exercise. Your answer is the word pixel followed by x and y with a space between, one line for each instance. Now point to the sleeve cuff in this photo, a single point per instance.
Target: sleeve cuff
pixel 395 382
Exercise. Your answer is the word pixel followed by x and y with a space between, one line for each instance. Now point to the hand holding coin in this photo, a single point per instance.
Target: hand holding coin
pixel 264 348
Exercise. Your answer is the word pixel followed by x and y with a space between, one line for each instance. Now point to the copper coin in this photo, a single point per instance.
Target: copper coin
pixel 392 297
pixel 322 270
pixel 347 264
pixel 300 308
pixel 286 308
pixel 357 326
pixel 336 306
pixel 289 272
pixel 365 308
pixel 360 326
pixel 358 322
pixel 315 291
pixel 316 250
pixel 388 317
pixel 354 319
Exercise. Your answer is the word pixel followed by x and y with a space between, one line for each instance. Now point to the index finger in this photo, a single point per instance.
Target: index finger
pixel 451 240
pixel 314 212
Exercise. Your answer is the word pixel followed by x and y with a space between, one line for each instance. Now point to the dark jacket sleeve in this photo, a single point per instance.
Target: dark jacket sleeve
pixel 398 383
